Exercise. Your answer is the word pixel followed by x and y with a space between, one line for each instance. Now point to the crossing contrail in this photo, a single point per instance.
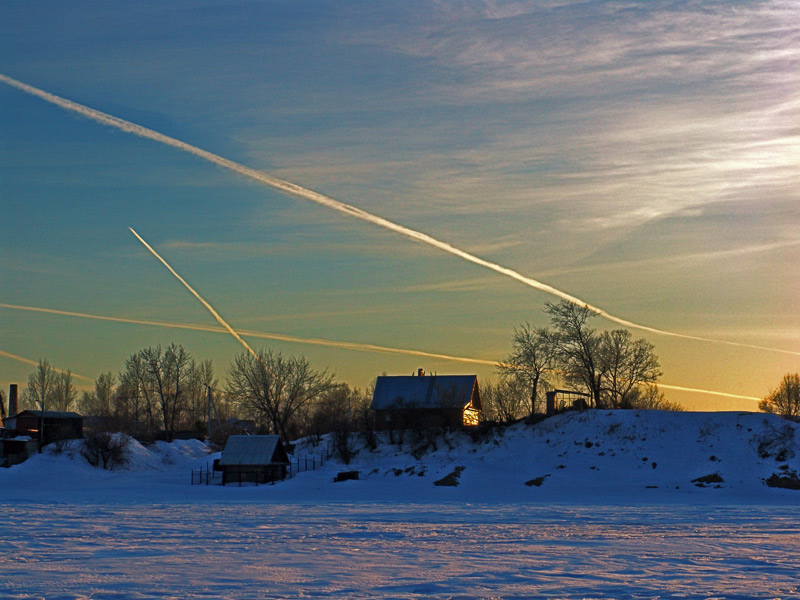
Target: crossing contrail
pixel 353 211
pixel 35 363
pixel 357 346
pixel 210 308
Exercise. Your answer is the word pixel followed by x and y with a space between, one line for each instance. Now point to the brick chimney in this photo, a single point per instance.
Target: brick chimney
pixel 12 400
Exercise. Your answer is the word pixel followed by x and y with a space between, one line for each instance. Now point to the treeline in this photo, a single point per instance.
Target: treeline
pixel 163 390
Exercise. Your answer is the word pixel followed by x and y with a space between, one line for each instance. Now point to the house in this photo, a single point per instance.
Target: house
pixel 15 449
pixel 56 425
pixel 403 401
pixel 254 459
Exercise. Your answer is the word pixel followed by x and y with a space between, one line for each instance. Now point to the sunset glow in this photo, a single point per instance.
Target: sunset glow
pixel 641 159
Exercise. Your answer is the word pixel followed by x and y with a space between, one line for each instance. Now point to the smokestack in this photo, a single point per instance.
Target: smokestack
pixel 420 372
pixel 12 400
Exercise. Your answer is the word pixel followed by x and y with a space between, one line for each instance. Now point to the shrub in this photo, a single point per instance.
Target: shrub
pixel 106 450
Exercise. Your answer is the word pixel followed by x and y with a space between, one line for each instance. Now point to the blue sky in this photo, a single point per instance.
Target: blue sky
pixel 644 157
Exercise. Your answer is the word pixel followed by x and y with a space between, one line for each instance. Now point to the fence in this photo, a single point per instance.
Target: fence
pixel 208 476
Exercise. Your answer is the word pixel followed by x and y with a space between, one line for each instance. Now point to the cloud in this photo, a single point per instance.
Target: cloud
pixel 677 261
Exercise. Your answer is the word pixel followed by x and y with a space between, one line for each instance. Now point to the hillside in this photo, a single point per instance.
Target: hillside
pixel 590 457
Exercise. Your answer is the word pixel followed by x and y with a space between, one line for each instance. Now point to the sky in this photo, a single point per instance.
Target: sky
pixel 642 157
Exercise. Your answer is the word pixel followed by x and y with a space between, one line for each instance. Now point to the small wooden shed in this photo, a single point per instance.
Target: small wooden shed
pixel 403 401
pixel 253 459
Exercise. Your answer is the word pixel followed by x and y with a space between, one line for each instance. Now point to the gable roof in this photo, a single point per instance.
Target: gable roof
pixel 253 450
pixel 426 391
pixel 48 414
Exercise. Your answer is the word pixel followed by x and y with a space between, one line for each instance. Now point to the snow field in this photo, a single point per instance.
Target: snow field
pixel 583 505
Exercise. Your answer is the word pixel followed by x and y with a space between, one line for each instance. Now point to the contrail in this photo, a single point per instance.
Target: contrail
pixel 258 334
pixel 347 209
pixel 210 308
pixel 699 391
pixel 36 364
pixel 313 341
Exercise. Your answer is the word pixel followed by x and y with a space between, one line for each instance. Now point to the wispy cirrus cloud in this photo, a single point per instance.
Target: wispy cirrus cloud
pixel 631 112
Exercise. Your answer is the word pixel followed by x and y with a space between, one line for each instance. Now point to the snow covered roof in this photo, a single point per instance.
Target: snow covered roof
pixel 253 450
pixel 426 391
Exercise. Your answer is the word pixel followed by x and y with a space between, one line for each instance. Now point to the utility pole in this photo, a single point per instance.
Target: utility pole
pixel 41 427
pixel 208 410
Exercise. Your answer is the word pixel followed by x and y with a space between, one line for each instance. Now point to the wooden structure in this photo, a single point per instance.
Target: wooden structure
pixel 17 449
pixel 405 401
pixel 55 425
pixel 253 459
pixel 560 400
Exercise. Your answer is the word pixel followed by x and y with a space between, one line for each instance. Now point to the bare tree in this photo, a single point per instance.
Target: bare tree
pixel 167 371
pixel 153 387
pixel 577 346
pixel 784 401
pixel 648 397
pixel 533 355
pixel 99 402
pixel 200 378
pixel 609 365
pixel 40 385
pixel 137 394
pixel 64 394
pixel 505 400
pixel 274 387
pixel 39 390
pixel 626 364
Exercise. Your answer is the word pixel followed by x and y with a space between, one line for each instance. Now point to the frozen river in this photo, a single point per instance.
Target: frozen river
pixel 212 550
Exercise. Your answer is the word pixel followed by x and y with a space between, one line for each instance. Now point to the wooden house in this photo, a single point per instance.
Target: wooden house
pixel 404 401
pixel 253 459
pixel 56 425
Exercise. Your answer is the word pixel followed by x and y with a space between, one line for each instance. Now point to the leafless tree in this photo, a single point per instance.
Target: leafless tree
pixel 200 378
pixel 626 364
pixel 153 386
pixel 504 401
pixel 533 356
pixel 167 371
pixel 275 388
pixel 609 365
pixel 99 402
pixel 577 346
pixel 648 397
pixel 784 401
pixel 137 395
pixel 40 385
pixel 64 394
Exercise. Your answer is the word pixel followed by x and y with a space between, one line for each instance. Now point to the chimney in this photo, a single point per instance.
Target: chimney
pixel 12 400
pixel 420 372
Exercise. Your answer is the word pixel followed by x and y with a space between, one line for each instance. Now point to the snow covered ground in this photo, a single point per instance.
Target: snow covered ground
pixel 593 505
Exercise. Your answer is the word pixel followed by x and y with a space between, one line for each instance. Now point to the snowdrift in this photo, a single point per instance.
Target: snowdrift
pixel 590 457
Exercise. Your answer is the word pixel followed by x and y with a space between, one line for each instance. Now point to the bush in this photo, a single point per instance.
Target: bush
pixel 343 442
pixel 106 450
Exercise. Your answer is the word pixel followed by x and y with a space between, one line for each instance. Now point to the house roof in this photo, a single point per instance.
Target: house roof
pixel 253 450
pixel 49 414
pixel 426 391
